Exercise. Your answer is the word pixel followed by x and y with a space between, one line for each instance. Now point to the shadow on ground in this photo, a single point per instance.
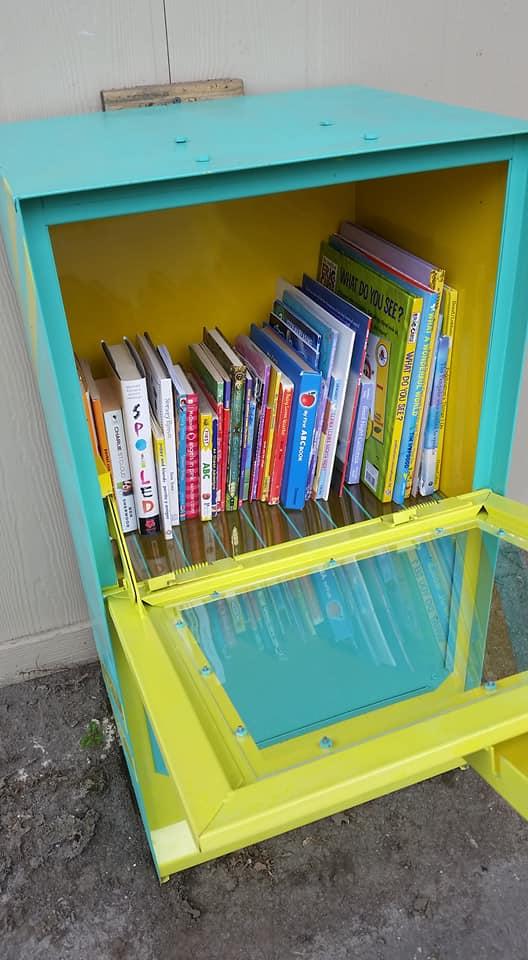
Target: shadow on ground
pixel 438 872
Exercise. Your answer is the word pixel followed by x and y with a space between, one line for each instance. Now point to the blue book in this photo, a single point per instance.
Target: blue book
pixel 304 332
pixel 432 424
pixel 279 323
pixel 328 343
pixel 306 390
pixel 359 433
pixel 360 322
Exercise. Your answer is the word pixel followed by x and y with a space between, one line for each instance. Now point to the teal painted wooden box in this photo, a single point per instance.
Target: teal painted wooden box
pixel 156 219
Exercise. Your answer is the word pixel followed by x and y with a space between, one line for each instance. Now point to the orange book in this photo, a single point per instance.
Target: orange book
pixel 278 454
pixel 273 403
pixel 87 407
pixel 97 411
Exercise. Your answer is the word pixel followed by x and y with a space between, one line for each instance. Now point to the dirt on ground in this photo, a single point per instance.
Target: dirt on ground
pixel 437 872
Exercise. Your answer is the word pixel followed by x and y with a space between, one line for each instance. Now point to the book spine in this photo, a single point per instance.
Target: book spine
pixel 293 491
pixel 317 448
pixel 102 439
pixel 273 403
pixel 88 413
pixel 181 418
pixel 281 440
pixel 266 415
pixel 244 454
pixel 250 445
pixel 162 474
pixel 139 442
pixel 192 465
pixel 415 400
pixel 448 330
pixel 359 434
pixel 385 486
pixel 235 439
pixel 166 421
pixel 326 465
pixel 206 466
pixel 427 400
pixel 414 461
pixel 430 448
pixel 215 503
pixel 260 428
pixel 120 470
pixel 225 454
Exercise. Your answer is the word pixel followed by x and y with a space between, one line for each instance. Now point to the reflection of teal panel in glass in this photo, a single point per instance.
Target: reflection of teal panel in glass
pixel 295 656
pixel 157 759
pixel 489 548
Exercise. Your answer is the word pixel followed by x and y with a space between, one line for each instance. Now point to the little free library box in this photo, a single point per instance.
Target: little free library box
pixel 269 666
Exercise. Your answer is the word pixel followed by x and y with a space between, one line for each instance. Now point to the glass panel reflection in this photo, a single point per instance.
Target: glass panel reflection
pixel 350 639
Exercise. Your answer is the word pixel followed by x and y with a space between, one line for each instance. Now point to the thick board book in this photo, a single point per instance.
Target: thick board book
pixel 390 355
pixel 138 431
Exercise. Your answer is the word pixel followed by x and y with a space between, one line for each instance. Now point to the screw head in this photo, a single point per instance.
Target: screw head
pixel 370 135
pixel 206 671
pixel 203 158
pixel 181 139
pixel 326 743
pixel 490 686
pixel 501 532
pixel 240 731
pixel 326 123
pixel 179 623
pixel 439 530
pixel 332 562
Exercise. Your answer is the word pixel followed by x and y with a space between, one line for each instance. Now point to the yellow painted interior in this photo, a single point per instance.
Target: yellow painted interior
pixel 453 218
pixel 173 271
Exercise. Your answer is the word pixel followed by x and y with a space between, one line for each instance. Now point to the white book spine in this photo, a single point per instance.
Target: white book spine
pixel 121 475
pixel 165 415
pixel 139 441
pixel 162 473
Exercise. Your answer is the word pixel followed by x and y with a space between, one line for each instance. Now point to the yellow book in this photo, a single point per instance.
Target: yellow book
pixel 401 406
pixel 449 311
pixel 273 400
pixel 162 475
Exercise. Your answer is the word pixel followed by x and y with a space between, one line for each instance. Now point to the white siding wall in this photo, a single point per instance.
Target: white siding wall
pixel 55 57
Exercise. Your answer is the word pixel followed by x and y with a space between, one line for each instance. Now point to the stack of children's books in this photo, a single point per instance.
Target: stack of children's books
pixel 345 382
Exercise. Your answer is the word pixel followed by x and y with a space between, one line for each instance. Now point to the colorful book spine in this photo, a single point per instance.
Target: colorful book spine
pixel 250 448
pixel 416 398
pixel 391 347
pixel 162 476
pixel 449 311
pixel 217 387
pixel 430 449
pixel 206 465
pixel 261 367
pixel 192 457
pixel 273 404
pixel 161 398
pixel 180 409
pixel 246 454
pixel 281 439
pixel 359 434
pixel 100 430
pixel 231 363
pixel 427 400
pixel 306 386
pixel 328 425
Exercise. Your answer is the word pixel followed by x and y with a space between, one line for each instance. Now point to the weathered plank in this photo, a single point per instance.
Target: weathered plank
pixel 163 93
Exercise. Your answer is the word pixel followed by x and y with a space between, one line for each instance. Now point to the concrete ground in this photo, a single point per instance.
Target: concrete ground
pixel 438 872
